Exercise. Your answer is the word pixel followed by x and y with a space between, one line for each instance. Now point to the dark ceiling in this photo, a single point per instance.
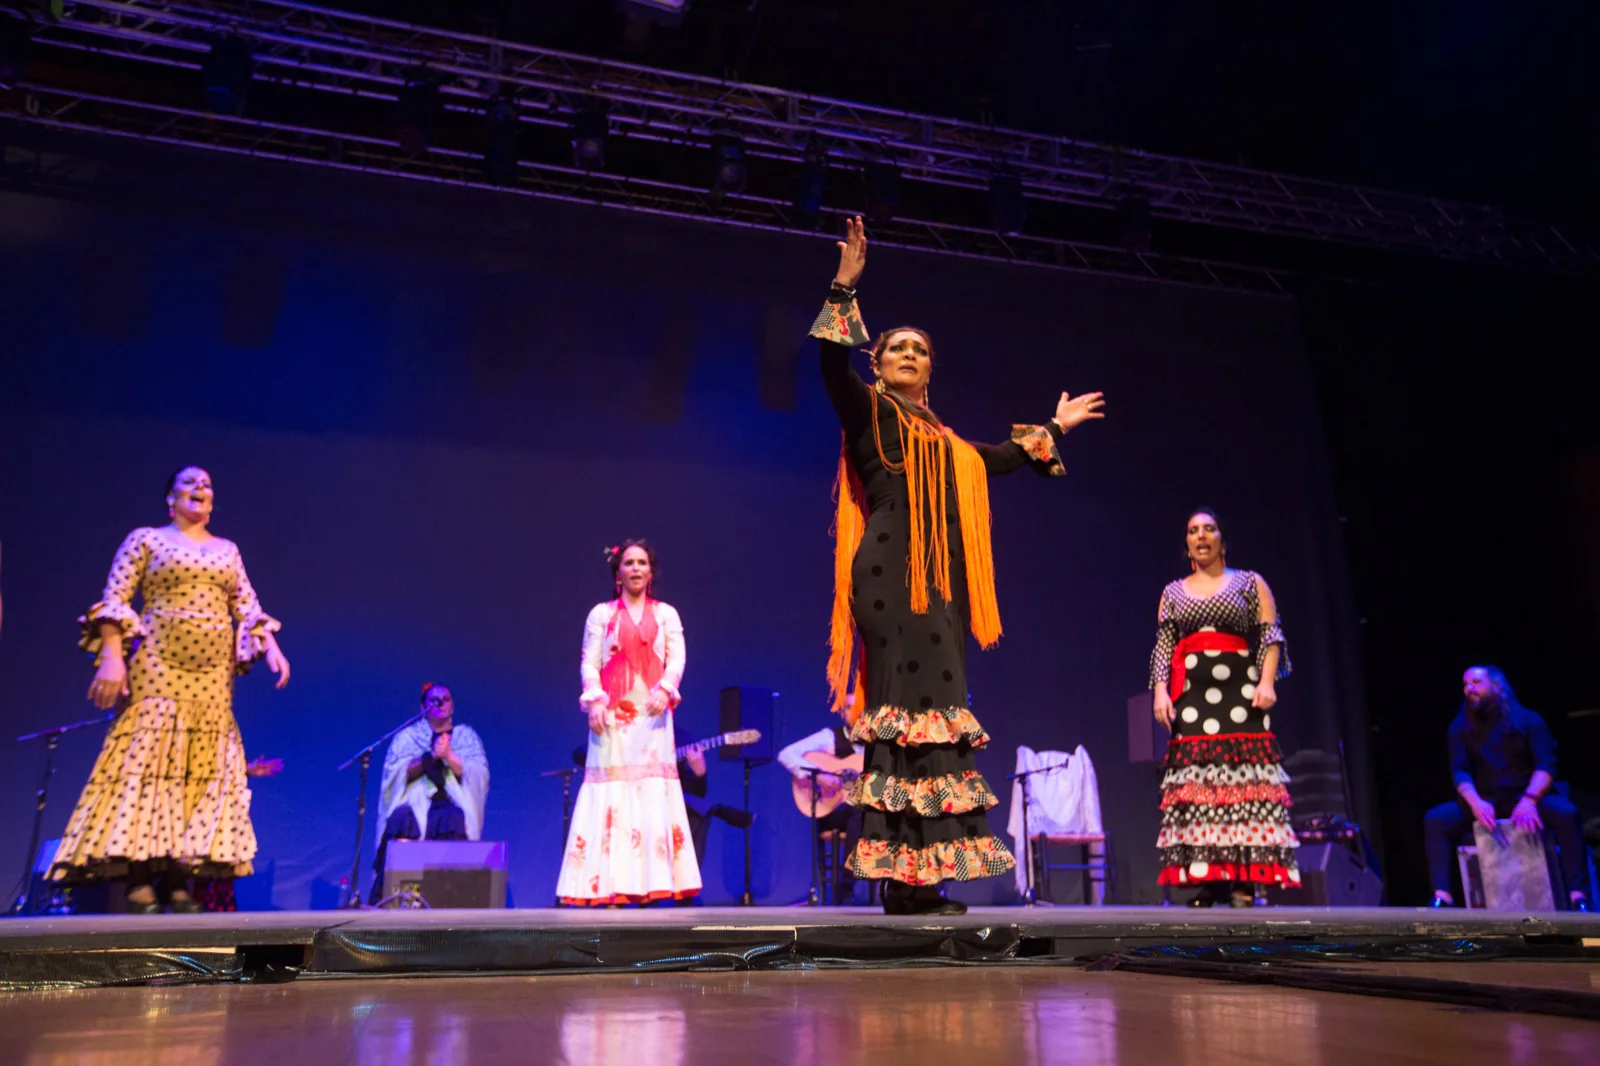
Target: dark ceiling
pixel 1493 102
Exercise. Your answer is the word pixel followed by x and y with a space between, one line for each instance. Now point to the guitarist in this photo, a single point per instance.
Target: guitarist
pixel 834 741
pixel 692 776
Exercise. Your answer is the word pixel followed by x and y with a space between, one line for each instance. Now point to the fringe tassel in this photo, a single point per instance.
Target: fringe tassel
pixel 926 448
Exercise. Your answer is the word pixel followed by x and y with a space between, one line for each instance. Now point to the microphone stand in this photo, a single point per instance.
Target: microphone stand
pixel 566 799
pixel 364 757
pixel 1029 896
pixel 23 904
pixel 814 893
pixel 748 899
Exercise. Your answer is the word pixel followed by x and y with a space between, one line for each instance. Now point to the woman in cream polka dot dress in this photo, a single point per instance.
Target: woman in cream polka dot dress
pixel 1219 653
pixel 168 795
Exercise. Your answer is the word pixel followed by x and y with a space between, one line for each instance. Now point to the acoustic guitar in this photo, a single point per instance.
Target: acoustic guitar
pixel 835 779
pixel 739 737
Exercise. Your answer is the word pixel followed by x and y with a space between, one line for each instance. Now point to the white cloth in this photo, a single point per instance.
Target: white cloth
pixel 468 792
pixel 793 758
pixel 1059 801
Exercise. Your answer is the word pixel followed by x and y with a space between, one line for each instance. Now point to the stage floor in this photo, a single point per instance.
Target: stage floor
pixel 86 951
pixel 933 1017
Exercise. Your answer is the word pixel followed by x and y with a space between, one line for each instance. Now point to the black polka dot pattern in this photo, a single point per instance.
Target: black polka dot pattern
pixel 169 785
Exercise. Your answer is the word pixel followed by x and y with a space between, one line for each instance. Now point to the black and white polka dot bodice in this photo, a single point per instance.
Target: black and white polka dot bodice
pixel 1234 608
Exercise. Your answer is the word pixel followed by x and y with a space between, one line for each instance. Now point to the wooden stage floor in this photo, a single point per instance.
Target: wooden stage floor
pixel 927 1016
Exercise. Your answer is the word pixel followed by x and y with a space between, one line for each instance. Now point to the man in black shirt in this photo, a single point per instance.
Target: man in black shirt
pixel 1503 760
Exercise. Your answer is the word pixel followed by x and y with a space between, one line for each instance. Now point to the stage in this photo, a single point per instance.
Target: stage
pixel 98 951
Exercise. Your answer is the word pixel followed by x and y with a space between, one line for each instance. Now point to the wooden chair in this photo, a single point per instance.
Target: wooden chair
pixel 1096 867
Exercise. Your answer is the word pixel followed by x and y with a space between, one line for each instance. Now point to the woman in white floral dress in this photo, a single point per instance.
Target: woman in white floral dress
pixel 629 842
pixel 168 796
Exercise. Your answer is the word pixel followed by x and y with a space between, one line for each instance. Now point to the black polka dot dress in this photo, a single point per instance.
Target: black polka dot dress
pixel 169 786
pixel 1224 800
pixel 924 804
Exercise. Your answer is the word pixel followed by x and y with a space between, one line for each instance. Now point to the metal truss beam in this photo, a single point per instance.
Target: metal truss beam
pixel 340 51
pixel 108 115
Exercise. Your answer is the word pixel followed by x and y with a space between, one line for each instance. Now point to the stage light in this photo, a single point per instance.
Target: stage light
pixel 589 129
pixel 417 110
pixel 16 41
pixel 505 132
pixel 732 168
pixel 1008 210
pixel 812 185
pixel 226 72
pixel 883 191
pixel 1133 222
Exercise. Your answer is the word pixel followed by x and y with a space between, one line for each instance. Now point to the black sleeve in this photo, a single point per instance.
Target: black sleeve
pixel 1542 743
pixel 1033 446
pixel 694 784
pixel 839 328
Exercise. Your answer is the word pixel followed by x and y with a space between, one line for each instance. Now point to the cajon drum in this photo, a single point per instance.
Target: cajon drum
pixel 1516 875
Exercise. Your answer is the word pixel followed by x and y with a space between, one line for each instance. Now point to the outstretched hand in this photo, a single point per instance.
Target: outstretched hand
pixel 852 253
pixel 1071 411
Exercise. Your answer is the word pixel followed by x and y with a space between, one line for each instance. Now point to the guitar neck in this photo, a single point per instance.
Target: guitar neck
pixel 702 745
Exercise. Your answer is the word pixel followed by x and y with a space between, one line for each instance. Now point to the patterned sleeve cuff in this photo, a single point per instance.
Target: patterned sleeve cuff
pixel 1039 444
pixel 1268 634
pixel 840 321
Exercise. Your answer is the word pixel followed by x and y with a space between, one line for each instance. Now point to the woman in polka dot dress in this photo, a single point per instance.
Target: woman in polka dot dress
pixel 913 574
pixel 1219 653
pixel 168 796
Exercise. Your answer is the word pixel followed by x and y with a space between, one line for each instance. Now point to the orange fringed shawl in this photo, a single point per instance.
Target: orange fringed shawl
pixel 927 449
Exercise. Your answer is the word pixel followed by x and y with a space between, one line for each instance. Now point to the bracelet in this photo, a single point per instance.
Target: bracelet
pixel 1530 796
pixel 839 286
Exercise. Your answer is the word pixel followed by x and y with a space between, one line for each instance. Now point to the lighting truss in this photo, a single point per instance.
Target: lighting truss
pixel 323 49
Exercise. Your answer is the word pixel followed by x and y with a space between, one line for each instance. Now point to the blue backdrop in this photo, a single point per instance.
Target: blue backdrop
pixel 427 410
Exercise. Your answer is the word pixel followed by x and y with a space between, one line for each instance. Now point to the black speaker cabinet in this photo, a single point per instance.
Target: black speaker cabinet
pixel 448 873
pixel 748 707
pixel 1331 875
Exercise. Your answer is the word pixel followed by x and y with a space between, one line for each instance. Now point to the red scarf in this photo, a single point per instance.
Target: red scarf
pixel 635 656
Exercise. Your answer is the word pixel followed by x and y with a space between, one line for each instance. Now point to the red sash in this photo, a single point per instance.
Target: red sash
pixel 1195 643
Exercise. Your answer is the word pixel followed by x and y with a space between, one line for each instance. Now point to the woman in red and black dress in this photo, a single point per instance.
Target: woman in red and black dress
pixel 1219 653
pixel 913 573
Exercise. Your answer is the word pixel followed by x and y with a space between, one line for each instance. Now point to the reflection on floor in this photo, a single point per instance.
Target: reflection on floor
pixel 924 1017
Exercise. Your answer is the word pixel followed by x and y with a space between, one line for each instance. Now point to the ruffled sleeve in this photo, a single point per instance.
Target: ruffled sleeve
pixel 254 623
pixel 1267 631
pixel 1166 641
pixel 116 601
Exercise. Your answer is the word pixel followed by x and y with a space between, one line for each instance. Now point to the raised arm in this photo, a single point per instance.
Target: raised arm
pixel 1035 446
pixel 839 328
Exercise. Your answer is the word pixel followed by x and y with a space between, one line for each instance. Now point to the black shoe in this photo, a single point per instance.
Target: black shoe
pixel 1204 898
pixel 153 907
pixel 1238 901
pixel 733 816
pixel 185 906
pixel 1440 903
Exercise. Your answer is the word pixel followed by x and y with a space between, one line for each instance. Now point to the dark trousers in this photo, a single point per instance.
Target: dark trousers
pixel 1450 824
